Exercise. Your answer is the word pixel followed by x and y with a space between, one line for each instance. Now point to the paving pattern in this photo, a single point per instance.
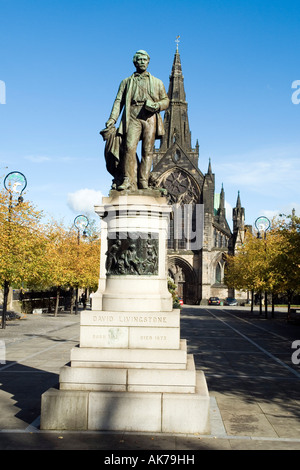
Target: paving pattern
pixel 253 383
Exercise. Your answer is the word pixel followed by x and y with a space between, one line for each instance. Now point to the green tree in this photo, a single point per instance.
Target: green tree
pixel 21 244
pixel 287 262
pixel 270 264
pixel 71 260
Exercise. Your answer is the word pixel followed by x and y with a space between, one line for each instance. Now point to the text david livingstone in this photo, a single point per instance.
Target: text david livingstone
pixel 129 319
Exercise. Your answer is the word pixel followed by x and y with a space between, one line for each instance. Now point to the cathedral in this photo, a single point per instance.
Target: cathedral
pixel 197 268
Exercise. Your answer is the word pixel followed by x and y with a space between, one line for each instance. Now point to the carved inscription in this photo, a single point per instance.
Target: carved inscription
pixel 156 338
pixel 104 336
pixel 130 319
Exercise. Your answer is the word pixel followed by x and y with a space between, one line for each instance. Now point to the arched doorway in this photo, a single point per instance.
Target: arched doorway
pixel 184 277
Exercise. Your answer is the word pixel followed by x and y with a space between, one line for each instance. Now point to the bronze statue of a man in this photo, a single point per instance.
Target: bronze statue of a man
pixel 141 97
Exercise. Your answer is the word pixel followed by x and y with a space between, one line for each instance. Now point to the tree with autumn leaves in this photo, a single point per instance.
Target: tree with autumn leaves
pixel 21 244
pixel 38 255
pixel 72 260
pixel 268 264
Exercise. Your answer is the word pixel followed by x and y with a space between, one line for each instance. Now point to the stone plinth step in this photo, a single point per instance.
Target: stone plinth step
pixel 146 380
pixel 127 411
pixel 130 358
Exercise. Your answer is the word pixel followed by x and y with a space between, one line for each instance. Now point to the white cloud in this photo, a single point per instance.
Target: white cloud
pixel 38 158
pixel 264 171
pixel 56 159
pixel 285 209
pixel 228 208
pixel 84 200
pixel 269 214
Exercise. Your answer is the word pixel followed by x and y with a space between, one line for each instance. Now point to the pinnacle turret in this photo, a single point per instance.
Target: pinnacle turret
pixel 238 214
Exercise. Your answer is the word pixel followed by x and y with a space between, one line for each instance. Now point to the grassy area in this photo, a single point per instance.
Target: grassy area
pixel 285 305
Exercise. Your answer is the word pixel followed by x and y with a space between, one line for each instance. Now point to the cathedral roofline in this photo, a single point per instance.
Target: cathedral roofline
pixel 171 151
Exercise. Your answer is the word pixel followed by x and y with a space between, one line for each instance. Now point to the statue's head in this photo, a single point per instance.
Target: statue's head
pixel 141 60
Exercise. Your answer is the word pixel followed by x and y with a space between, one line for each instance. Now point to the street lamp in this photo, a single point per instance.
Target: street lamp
pixel 15 183
pixel 263 224
pixel 81 222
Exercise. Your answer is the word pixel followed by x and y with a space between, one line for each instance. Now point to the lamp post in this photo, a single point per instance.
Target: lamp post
pixel 15 183
pixel 263 224
pixel 81 222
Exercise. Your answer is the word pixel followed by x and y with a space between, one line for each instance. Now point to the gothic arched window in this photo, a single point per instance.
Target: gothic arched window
pixel 183 194
pixel 218 278
pixel 216 237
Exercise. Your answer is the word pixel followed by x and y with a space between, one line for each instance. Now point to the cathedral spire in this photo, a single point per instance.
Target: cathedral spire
pixel 209 171
pixel 222 202
pixel 238 215
pixel 238 202
pixel 177 70
pixel 221 212
pixel 176 117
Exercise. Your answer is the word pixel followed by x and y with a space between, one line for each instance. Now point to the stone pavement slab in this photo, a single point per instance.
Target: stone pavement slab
pixel 253 385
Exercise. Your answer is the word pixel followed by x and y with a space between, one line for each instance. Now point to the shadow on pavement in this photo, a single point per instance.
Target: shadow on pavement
pixel 237 368
pixel 25 385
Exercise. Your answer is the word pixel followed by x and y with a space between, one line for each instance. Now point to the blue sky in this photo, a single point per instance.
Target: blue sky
pixel 61 62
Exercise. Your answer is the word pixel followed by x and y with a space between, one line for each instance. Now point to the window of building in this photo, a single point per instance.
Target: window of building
pixel 218 274
pixel 171 235
pixel 216 238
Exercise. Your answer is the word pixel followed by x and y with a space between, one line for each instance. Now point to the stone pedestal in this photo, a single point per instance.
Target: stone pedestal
pixel 131 370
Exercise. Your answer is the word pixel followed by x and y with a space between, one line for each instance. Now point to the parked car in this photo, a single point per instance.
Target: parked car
pixel 214 301
pixel 230 301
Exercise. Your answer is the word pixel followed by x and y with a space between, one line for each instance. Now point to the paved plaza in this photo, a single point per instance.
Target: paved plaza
pixel 247 359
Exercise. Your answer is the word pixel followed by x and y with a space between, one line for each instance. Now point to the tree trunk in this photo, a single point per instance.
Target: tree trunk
pixel 289 297
pixel 76 301
pixel 260 303
pixel 5 300
pixel 85 298
pixel 289 301
pixel 72 301
pixel 266 304
pixel 57 302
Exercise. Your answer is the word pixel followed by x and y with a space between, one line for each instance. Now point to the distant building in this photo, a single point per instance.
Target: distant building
pixel 198 271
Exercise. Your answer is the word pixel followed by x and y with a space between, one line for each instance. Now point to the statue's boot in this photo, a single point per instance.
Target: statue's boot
pixel 143 184
pixel 127 184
